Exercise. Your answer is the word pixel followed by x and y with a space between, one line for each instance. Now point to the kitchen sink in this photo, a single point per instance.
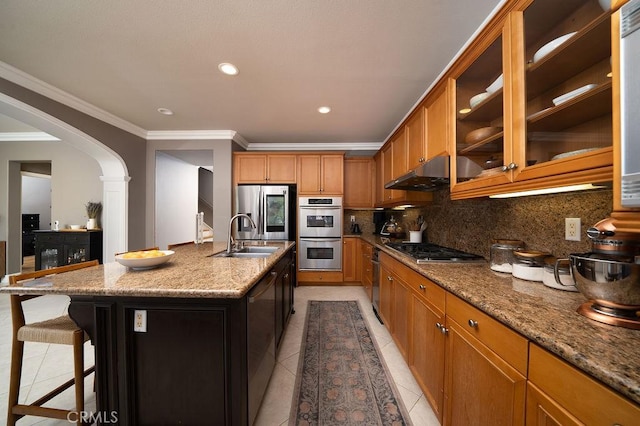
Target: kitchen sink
pixel 249 252
pixel 257 249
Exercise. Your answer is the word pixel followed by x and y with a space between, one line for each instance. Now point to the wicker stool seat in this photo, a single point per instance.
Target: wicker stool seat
pixel 60 330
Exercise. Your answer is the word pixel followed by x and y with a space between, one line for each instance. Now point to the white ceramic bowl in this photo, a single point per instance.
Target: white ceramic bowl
pixel 476 99
pixel 496 85
pixel 74 226
pixel 147 262
pixel 551 46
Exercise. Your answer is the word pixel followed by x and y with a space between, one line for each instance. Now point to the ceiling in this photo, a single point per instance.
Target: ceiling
pixel 369 60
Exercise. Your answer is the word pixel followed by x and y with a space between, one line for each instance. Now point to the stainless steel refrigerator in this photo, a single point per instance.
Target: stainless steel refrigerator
pixel 272 208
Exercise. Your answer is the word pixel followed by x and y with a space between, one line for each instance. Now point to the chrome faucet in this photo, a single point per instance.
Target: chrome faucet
pixel 230 240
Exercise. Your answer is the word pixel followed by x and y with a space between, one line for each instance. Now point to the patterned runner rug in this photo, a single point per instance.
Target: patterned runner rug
pixel 341 378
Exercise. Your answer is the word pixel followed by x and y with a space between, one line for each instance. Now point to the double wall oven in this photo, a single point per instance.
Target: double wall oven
pixel 320 233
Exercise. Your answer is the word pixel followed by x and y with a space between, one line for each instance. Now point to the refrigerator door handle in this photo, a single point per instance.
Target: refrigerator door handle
pixel 261 203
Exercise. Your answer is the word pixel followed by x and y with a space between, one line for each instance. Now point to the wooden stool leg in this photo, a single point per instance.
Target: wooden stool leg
pixel 78 369
pixel 17 351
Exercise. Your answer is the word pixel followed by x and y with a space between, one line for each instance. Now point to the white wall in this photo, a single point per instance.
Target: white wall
pixel 36 197
pixel 222 181
pixel 75 180
pixel 176 200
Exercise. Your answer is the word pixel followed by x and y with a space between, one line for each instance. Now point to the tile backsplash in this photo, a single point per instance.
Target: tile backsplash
pixel 471 225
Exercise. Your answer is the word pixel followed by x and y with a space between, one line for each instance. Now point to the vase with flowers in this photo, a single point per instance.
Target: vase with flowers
pixel 93 212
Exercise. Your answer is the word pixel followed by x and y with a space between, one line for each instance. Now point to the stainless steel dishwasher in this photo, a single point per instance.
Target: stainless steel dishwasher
pixel 261 340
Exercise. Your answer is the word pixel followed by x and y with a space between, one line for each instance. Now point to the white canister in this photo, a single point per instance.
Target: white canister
pixel 415 236
pixel 529 264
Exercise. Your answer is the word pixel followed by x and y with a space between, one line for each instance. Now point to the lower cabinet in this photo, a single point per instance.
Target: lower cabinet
pixel 350 259
pixel 366 267
pixel 284 295
pixel 426 348
pixel 560 394
pixel 474 370
pixel 59 248
pixel 485 369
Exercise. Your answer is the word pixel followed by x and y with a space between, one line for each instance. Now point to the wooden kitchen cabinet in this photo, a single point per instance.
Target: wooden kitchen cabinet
pixel 386 292
pixel 537 143
pixel 359 183
pixel 388 166
pixel 439 115
pixel 264 168
pixel 400 314
pixel 485 368
pixel 560 394
pixel 320 174
pixel 350 260
pixel 416 310
pixel 416 138
pixel 366 267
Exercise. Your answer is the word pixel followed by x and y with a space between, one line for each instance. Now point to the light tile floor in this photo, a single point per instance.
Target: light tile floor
pixel 46 366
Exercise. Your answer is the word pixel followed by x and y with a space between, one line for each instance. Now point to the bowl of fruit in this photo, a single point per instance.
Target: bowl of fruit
pixel 144 259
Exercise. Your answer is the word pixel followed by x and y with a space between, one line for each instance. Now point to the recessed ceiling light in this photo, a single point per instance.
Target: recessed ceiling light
pixel 228 69
pixel 165 111
pixel 324 110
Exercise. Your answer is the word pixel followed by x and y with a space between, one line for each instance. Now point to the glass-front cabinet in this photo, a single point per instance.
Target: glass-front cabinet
pixel 59 248
pixel 534 108
pixel 480 118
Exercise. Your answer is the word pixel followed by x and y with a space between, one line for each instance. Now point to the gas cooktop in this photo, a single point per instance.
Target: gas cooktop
pixel 432 253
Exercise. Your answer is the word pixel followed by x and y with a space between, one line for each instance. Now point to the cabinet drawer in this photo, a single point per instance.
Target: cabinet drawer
pixel 79 237
pixel 424 288
pixel 585 398
pixel 508 344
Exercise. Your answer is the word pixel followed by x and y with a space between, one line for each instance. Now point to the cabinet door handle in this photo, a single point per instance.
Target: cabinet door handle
pixel 473 323
pixel 513 166
pixel 389 278
pixel 442 328
pixel 423 287
pixel 505 168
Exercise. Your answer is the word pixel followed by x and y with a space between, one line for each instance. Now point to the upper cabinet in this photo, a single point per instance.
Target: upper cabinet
pixel 534 99
pixel 359 183
pixel 264 168
pixel 320 174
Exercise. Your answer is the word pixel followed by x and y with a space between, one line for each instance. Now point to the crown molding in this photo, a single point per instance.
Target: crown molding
pixel 320 146
pixel 163 135
pixel 28 81
pixel 26 137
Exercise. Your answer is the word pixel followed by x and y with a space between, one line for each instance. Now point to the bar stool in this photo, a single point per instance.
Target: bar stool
pixel 61 330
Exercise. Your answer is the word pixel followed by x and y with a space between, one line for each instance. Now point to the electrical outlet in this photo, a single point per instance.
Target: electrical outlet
pixel 140 321
pixel 572 228
pixel 353 218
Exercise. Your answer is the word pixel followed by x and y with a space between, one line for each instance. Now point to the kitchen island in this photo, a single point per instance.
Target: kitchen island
pixel 175 344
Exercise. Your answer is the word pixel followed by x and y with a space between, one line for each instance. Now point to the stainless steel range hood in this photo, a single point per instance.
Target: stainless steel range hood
pixel 434 174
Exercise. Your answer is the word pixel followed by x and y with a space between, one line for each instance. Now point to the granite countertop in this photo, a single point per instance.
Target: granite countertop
pixel 190 273
pixel 543 315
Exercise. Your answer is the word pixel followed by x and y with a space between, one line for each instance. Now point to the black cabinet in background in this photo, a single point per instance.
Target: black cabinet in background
pixel 59 248
pixel 30 223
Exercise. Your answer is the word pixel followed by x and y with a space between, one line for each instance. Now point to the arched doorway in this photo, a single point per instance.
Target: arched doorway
pixel 115 178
